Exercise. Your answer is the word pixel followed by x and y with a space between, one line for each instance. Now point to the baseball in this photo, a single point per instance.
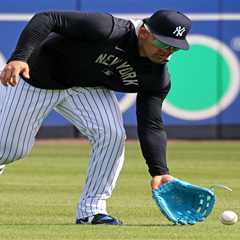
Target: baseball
pixel 228 217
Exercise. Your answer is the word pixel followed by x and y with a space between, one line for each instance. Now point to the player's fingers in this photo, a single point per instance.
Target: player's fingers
pixel 7 74
pixel 3 78
pixel 25 73
pixel 14 79
pixel 13 82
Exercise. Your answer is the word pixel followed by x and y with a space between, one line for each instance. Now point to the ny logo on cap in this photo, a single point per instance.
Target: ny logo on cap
pixel 178 32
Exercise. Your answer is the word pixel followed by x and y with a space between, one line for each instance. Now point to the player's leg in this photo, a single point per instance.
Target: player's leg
pixel 96 113
pixel 21 112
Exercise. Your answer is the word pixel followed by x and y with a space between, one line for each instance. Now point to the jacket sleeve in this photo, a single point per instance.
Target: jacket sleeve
pixel 152 137
pixel 77 25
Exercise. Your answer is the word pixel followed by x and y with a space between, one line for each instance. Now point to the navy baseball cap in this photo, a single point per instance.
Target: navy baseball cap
pixel 170 27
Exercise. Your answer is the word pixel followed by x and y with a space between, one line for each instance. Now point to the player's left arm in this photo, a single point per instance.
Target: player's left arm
pixel 152 137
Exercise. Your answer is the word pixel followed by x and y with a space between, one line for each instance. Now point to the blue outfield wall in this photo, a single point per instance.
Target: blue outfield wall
pixel 205 80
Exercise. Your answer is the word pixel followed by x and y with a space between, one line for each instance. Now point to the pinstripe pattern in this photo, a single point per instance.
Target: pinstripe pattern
pixel 94 111
pixel 23 111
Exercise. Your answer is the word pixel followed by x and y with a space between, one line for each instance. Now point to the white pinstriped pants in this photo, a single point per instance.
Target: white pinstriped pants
pixel 94 111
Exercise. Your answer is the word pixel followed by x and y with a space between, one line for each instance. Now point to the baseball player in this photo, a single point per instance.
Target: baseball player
pixel 72 62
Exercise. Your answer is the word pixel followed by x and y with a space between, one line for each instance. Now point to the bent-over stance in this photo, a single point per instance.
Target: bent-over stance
pixel 72 62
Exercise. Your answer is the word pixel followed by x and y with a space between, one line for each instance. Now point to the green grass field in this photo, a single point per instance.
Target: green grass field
pixel 38 195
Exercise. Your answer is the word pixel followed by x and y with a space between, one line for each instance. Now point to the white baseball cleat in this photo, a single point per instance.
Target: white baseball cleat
pixel 2 168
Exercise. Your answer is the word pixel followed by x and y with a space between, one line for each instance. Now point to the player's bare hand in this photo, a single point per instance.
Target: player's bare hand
pixel 11 72
pixel 157 181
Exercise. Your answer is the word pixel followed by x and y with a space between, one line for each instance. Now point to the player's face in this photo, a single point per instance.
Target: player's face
pixel 153 49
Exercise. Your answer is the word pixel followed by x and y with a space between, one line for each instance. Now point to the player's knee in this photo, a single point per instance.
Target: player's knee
pixel 122 134
pixel 117 134
pixel 11 154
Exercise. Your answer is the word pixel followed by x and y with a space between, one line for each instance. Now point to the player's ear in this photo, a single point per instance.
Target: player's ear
pixel 143 33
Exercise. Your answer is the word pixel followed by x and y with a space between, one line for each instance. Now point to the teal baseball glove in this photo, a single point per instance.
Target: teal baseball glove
pixel 184 203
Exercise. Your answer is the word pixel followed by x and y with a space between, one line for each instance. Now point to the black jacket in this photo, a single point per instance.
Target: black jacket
pixel 66 49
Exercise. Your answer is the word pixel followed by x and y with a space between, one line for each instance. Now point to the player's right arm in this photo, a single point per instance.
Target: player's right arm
pixel 77 25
